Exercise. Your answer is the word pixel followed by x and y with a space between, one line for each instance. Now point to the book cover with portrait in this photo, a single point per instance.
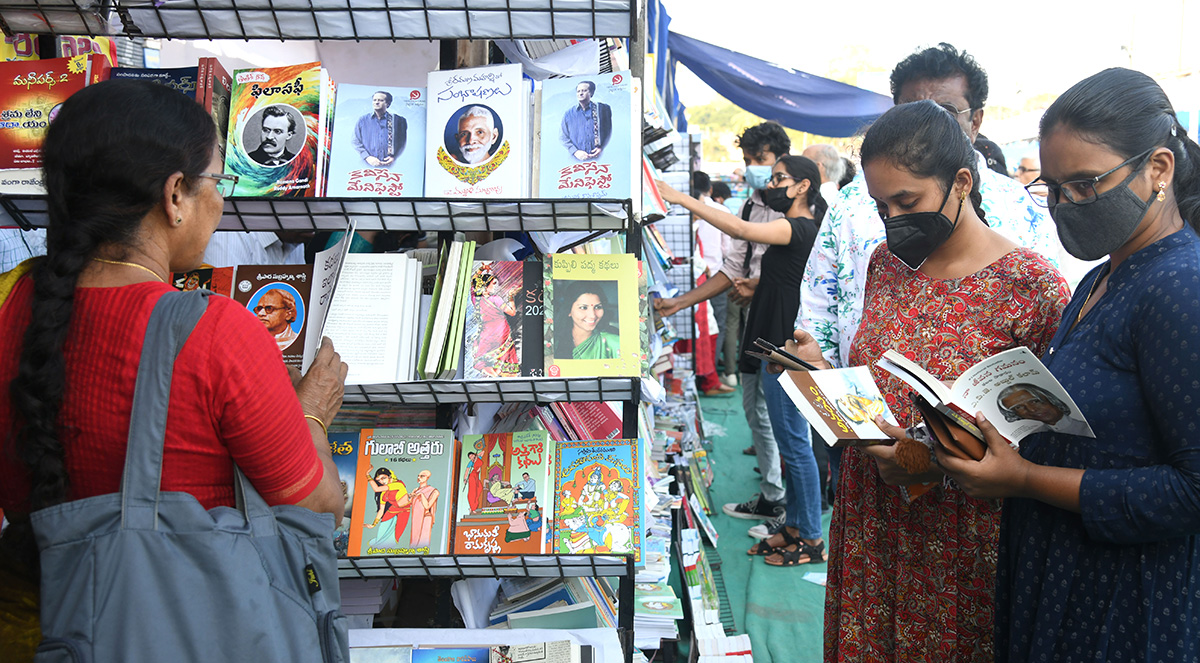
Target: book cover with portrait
pixel 31 92
pixel 591 135
pixel 503 488
pixel 477 136
pixel 593 315
pixel 378 142
pixel 598 497
pixel 278 295
pixel 275 130
pixel 403 496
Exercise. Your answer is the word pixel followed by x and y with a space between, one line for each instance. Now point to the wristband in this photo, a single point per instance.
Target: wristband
pixel 320 423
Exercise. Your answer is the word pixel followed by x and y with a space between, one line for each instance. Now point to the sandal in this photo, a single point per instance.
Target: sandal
pixel 762 548
pixel 815 555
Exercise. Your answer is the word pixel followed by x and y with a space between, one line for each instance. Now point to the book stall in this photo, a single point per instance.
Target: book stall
pixel 515 420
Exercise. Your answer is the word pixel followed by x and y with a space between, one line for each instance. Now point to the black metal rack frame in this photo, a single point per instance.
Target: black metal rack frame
pixel 330 19
pixel 403 214
pixel 506 390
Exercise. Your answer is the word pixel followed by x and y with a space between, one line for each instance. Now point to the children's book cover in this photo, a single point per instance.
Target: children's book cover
pixel 590 148
pixel 183 79
pixel 274 127
pixel 495 316
pixel 278 295
pixel 31 92
pixel 501 495
pixel 344 447
pixel 402 505
pixel 477 138
pixel 598 497
pixel 593 321
pixel 378 142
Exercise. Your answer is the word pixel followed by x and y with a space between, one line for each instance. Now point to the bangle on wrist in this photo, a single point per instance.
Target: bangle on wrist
pixel 320 423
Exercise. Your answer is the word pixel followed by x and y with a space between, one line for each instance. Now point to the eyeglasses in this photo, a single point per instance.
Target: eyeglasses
pixel 225 183
pixel 778 178
pixel 1080 192
pixel 953 110
pixel 267 309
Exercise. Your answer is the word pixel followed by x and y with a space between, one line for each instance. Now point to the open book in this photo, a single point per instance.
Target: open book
pixel 840 404
pixel 1013 389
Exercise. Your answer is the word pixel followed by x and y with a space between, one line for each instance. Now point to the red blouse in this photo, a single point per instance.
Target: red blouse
pixel 231 399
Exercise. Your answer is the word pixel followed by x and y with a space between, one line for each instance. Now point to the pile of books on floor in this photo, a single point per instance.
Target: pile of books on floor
pixel 656 609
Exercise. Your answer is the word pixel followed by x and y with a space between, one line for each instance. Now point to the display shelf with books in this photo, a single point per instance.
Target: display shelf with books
pixel 401 214
pixel 506 390
pixel 326 19
pixel 487 566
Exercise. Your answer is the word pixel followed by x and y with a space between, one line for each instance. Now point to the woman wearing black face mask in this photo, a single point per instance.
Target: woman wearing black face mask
pixel 793 190
pixel 1100 545
pixel 912 572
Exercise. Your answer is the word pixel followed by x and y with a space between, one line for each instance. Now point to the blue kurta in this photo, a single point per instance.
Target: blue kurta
pixel 1121 581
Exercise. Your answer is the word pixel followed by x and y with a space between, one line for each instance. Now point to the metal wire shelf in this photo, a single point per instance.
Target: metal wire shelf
pixel 326 19
pixel 488 566
pixel 404 214
pixel 507 390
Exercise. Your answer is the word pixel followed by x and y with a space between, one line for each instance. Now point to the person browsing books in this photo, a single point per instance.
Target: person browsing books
pixel 793 190
pixel 134 192
pixel 278 127
pixel 380 136
pixel 590 334
pixel 586 126
pixel 1100 545
pixel 912 571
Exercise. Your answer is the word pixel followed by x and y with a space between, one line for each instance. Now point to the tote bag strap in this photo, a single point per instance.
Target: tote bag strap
pixel 171 322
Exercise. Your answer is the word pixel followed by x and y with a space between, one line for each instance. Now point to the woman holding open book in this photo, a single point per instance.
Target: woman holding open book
pixel 134 192
pixel 793 190
pixel 1100 544
pixel 912 568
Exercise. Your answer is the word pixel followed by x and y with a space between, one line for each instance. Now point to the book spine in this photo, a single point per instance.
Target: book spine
pixel 533 357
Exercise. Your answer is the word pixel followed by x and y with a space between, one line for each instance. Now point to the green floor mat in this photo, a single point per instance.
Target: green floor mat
pixel 782 613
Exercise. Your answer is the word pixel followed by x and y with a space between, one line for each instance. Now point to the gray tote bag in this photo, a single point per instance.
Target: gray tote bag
pixel 144 575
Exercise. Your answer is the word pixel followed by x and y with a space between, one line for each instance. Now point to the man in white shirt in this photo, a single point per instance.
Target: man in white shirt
pixel 17 246
pixel 830 163
pixel 230 249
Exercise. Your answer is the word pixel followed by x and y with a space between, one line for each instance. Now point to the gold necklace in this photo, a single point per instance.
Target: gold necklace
pixel 131 264
pixel 1092 291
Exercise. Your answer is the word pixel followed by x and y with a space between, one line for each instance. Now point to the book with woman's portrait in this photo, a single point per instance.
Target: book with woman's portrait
pixel 593 316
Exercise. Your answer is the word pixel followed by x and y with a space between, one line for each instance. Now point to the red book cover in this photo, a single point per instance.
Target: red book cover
pixel 596 419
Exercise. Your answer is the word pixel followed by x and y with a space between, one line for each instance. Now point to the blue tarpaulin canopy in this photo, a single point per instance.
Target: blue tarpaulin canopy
pixel 792 98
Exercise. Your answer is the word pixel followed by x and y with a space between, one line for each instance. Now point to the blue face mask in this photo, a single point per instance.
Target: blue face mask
pixel 758 176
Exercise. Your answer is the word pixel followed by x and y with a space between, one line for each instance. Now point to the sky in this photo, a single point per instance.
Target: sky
pixel 1026 47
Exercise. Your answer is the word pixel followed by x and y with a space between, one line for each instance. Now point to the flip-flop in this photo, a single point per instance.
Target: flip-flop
pixel 815 555
pixel 762 548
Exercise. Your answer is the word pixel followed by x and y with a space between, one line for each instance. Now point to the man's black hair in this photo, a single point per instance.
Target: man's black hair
pixel 937 63
pixel 701 183
pixel 765 137
pixel 721 190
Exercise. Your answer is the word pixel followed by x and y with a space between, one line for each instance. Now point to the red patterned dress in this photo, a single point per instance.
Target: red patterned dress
pixel 916 581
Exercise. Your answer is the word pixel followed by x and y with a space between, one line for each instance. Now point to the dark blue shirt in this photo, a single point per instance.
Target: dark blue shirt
pixel 1121 580
pixel 371 135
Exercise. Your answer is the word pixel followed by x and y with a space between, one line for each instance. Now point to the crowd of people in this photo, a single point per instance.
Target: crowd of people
pixel 1068 548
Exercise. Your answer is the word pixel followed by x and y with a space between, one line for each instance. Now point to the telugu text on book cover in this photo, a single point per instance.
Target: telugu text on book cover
pixel 403 493
pixel 279 296
pixel 477 143
pixel 182 79
pixel 594 318
pixel 590 148
pixel 31 92
pixel 503 488
pixel 274 126
pixel 598 497
pixel 378 142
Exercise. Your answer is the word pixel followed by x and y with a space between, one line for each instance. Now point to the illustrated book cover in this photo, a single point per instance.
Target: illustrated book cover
pixel 477 133
pixel 378 142
pixel 275 130
pixel 31 92
pixel 598 497
pixel 183 79
pixel 402 502
pixel 502 492
pixel 594 322
pixel 344 447
pixel 496 324
pixel 591 136
pixel 840 404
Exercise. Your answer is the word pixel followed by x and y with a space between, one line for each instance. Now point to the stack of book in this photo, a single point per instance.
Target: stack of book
pixel 655 611
pixel 362 599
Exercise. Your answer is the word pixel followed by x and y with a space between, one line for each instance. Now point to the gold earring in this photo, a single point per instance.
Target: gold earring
pixel 1161 191
pixel 964 197
pixel 179 221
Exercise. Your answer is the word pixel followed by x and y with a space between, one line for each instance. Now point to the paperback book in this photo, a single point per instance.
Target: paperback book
pixel 504 320
pixel 477 140
pixel 591 128
pixel 183 79
pixel 840 404
pixel 344 447
pixel 378 142
pixel 402 505
pixel 502 493
pixel 275 130
pixel 598 497
pixel 215 87
pixel 594 322
pixel 31 92
pixel 372 315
